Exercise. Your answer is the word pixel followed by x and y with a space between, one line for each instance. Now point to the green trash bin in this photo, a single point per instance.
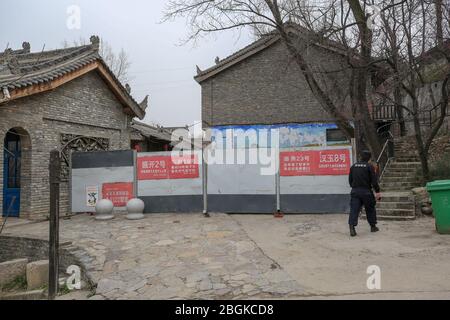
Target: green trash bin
pixel 439 191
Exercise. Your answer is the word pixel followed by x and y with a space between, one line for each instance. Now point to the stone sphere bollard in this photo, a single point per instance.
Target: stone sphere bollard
pixel 135 208
pixel 104 210
pixel 427 210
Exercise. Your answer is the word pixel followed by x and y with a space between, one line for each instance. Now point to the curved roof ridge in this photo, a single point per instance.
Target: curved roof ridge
pixel 28 69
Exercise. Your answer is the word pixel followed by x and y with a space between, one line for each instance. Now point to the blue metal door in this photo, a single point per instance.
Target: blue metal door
pixel 11 175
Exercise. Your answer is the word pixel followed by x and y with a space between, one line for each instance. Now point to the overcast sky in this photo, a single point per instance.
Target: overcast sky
pixel 160 66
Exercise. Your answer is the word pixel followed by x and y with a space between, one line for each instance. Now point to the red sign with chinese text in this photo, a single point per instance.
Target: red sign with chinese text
pixel 119 192
pixel 333 162
pixel 184 167
pixel 168 167
pixel 315 162
pixel 153 168
pixel 296 163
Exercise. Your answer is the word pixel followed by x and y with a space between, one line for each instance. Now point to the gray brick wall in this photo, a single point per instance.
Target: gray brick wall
pixel 269 88
pixel 84 106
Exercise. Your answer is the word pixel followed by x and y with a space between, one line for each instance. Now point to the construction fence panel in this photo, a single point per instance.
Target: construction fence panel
pixel 99 175
pixel 167 182
pixel 309 180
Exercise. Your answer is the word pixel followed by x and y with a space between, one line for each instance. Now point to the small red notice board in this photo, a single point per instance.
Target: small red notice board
pixel 315 162
pixel 168 167
pixel 296 163
pixel 119 192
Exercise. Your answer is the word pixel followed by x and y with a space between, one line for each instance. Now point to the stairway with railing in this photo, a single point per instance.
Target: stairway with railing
pixel 399 165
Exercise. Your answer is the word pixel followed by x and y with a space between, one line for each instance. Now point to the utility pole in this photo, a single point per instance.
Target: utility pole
pixel 55 174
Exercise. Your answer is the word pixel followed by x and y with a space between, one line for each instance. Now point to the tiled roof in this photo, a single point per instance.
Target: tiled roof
pixel 151 131
pixel 20 68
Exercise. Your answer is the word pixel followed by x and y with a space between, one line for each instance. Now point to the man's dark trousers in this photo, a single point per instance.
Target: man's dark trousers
pixel 362 197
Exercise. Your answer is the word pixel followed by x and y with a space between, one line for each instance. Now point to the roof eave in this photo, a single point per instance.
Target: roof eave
pixel 212 71
pixel 230 61
pixel 131 107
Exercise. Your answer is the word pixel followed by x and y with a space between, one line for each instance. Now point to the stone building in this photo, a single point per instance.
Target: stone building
pixel 65 99
pixel 261 85
pixel 145 138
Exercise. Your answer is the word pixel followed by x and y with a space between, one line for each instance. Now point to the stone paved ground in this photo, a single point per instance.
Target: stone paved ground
pixel 171 256
pixel 176 256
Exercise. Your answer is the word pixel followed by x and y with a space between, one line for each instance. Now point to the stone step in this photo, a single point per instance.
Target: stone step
pixel 406 146
pixel 389 217
pixel 398 184
pixel 399 178
pixel 406 159
pixel 402 165
pixel 400 173
pixel 397 175
pixel 395 212
pixel 395 218
pixel 383 204
pixel 405 154
pixel 388 198
pixel 397 189
pixel 399 169
pixel 399 166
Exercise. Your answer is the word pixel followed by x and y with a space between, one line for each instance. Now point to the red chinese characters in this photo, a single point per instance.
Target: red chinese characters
pixel 153 167
pixel 317 163
pixel 296 163
pixel 168 167
pixel 119 192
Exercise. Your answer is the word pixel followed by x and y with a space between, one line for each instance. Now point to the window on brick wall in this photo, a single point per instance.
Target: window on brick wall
pixel 336 136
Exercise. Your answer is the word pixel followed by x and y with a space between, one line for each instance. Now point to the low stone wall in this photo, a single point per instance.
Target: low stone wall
pixel 439 147
pixel 12 248
pixel 421 198
pixel 16 248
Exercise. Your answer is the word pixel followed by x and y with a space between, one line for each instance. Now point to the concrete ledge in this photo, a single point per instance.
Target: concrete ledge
pixel 13 247
pixel 10 270
pixel 28 295
pixel 37 274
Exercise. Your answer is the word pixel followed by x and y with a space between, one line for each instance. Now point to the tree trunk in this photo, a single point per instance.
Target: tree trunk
pixel 361 79
pixel 439 29
pixel 341 120
pixel 328 105
pixel 399 111
pixel 423 154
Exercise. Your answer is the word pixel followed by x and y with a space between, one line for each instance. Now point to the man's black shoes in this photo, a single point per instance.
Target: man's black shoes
pixel 374 228
pixel 352 231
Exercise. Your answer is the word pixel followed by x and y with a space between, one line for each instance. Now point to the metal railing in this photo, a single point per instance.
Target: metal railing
pixel 385 157
pixel 384 112
pixel 432 115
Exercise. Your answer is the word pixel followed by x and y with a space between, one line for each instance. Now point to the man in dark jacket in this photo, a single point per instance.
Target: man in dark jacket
pixel 362 179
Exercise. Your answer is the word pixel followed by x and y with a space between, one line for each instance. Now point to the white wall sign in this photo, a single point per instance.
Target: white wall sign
pixel 91 196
